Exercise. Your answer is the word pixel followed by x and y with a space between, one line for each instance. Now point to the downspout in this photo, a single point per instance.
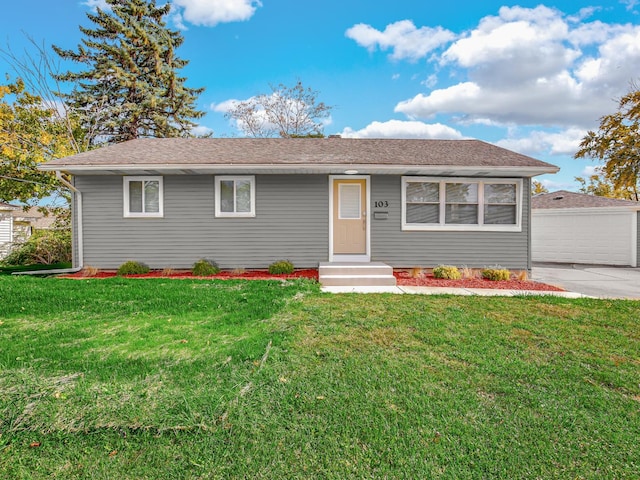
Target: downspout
pixel 78 195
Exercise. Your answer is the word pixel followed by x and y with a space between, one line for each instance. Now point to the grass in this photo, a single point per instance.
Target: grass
pixel 128 378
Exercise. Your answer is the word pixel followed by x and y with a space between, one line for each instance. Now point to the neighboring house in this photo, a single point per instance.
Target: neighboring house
pixel 28 220
pixel 17 224
pixel 570 227
pixel 248 202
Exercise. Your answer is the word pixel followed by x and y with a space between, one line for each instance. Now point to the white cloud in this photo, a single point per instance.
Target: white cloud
pixel 209 13
pixel 93 4
pixel 554 185
pixel 528 67
pixel 589 170
pixel 404 129
pixel 201 131
pixel 405 40
pixel 565 142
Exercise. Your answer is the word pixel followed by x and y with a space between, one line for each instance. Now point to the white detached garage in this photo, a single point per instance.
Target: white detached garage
pixel 568 227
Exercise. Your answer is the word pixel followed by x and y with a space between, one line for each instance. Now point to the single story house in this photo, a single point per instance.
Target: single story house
pixel 246 202
pixel 569 227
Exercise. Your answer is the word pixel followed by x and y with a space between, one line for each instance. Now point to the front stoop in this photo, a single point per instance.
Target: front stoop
pixel 343 274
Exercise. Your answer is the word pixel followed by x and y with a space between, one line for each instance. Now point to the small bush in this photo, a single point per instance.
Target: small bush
pixel 205 268
pixel 132 268
pixel 281 267
pixel 447 271
pixel 496 274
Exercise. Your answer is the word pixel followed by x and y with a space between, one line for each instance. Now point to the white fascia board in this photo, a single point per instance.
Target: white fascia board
pixel 583 211
pixel 177 169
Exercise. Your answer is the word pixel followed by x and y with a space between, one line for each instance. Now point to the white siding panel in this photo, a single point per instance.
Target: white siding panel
pixel 587 236
pixel 5 229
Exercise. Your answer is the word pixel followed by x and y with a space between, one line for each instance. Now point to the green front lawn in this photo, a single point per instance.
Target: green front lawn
pixel 131 378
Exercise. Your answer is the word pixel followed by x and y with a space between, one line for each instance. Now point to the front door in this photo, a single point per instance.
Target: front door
pixel 350 216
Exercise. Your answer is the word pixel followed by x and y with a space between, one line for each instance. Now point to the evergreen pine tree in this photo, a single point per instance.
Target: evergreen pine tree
pixel 130 87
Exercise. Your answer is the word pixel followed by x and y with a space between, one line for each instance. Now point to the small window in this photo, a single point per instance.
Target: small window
pixel 461 203
pixel 500 205
pixel 235 196
pixel 143 197
pixel 423 202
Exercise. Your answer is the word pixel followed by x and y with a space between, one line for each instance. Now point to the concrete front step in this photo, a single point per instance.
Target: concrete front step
pixel 356 274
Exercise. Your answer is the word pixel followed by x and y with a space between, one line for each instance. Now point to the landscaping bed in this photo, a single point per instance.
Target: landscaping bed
pixel 403 278
pixel 224 275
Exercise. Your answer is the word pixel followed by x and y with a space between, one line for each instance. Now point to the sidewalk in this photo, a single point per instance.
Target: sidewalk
pixel 484 292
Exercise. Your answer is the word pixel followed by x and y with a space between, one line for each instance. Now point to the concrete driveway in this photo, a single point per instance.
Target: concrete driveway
pixel 593 280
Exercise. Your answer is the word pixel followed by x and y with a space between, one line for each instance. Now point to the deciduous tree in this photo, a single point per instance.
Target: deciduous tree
pixel 130 86
pixel 30 133
pixel 599 184
pixel 538 188
pixel 617 144
pixel 285 112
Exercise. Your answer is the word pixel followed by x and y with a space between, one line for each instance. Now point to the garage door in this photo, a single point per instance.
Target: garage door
pixel 584 236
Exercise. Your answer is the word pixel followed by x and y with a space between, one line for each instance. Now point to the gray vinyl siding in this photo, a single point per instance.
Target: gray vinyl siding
pixel 291 223
pixel 638 240
pixel 399 248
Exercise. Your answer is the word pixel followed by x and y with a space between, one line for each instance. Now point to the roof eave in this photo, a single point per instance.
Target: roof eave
pixel 204 169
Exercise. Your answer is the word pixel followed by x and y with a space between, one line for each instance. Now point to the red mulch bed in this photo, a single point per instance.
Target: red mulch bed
pixel 224 275
pixel 403 278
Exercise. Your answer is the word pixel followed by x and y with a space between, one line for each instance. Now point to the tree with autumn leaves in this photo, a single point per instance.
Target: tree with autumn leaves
pixel 617 144
pixel 30 133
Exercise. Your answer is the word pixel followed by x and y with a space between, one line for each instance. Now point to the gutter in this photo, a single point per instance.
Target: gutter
pixel 78 194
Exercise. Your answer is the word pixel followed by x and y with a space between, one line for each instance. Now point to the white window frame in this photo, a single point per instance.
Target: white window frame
pixel 142 178
pixel 480 226
pixel 236 178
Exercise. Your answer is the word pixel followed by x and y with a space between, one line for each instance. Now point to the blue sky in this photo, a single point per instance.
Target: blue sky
pixel 532 77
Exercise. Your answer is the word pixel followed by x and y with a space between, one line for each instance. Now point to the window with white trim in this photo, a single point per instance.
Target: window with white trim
pixel 143 196
pixel 432 203
pixel 235 196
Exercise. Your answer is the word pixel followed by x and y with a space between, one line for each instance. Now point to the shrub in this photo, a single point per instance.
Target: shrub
pixel 447 271
pixel 205 268
pixel 496 274
pixel 44 247
pixel 132 268
pixel 281 267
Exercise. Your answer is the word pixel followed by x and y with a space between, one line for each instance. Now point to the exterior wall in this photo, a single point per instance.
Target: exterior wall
pixel 399 248
pixel 603 236
pixel 6 232
pixel 638 239
pixel 291 223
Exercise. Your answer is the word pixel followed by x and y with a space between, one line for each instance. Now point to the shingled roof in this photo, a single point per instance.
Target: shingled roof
pixel 565 199
pixel 201 155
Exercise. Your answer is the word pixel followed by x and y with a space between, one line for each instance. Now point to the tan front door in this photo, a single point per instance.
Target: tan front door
pixel 349 216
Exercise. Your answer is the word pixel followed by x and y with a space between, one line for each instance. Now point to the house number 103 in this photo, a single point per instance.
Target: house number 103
pixel 381 204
